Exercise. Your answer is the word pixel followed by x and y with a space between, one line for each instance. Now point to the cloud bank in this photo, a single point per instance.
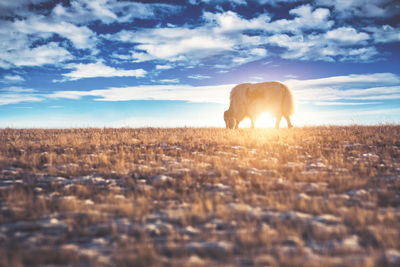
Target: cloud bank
pixel 46 33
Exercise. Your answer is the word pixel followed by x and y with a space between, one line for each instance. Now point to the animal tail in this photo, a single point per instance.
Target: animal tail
pixel 287 101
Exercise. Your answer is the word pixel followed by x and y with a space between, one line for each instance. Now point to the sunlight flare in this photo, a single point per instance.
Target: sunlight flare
pixel 265 120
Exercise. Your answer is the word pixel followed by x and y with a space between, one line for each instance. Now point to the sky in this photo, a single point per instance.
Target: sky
pixel 115 63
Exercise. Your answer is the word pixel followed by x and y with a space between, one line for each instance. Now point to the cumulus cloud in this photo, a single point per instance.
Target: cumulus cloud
pixel 231 38
pixel 175 44
pixel 308 18
pixel 347 9
pixel 29 41
pixel 109 11
pixel 321 47
pixel 98 69
pixel 220 34
pixel 17 7
pixel 81 37
pixel 219 39
pixel 230 21
pixel 204 45
pixel 30 25
pixel 384 33
pixel 50 53
pixel 347 35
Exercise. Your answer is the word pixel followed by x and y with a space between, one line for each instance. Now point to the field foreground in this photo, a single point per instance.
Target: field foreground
pixel 200 197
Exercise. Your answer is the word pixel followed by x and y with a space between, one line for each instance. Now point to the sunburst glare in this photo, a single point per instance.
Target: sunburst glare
pixel 263 121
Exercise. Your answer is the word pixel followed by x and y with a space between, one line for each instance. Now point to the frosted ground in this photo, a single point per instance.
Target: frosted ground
pixel 194 197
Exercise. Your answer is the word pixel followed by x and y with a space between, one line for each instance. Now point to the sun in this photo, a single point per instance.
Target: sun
pixel 264 121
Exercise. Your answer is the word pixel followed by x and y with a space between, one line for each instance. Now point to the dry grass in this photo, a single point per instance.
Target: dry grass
pixel 200 197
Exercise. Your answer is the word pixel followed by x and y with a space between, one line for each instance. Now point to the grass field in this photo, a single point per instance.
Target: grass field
pixel 307 196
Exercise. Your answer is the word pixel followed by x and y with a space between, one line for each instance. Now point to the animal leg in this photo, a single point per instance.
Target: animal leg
pixel 289 123
pixel 278 121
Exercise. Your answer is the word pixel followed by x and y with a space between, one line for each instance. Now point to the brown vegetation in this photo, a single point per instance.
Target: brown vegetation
pixel 200 197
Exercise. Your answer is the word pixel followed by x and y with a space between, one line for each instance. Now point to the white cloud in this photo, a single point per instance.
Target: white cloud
pixel 203 44
pixel 384 34
pixel 317 47
pixel 199 77
pixel 211 94
pixel 348 88
pixel 311 19
pixel 380 96
pixel 323 42
pixel 17 89
pixel 220 39
pixel 24 42
pixel 17 7
pixel 276 2
pixel 376 86
pixel 174 44
pixel 7 99
pixel 73 95
pixel 109 11
pixel 364 79
pixel 12 79
pixel 337 91
pixel 359 54
pixel 230 38
pixel 170 81
pixel 231 21
pixel 299 47
pixel 348 9
pixel 81 37
pixel 20 36
pixel 163 67
pixel 324 103
pixel 20 49
pixel 98 69
pixel 220 34
pixel 14 95
pixel 306 18
pixel 215 2
pixel 347 35
pixel 50 53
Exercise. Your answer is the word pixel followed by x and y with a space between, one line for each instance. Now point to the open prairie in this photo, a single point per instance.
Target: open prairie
pixel 200 197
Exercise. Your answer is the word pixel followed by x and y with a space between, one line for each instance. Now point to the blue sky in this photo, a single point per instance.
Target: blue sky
pixel 110 63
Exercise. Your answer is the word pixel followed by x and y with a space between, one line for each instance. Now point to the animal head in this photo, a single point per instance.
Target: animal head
pixel 230 121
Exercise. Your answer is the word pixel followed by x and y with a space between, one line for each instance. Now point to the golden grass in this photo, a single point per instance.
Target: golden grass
pixel 194 197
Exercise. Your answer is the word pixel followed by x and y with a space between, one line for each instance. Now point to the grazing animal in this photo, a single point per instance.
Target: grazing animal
pixel 250 100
